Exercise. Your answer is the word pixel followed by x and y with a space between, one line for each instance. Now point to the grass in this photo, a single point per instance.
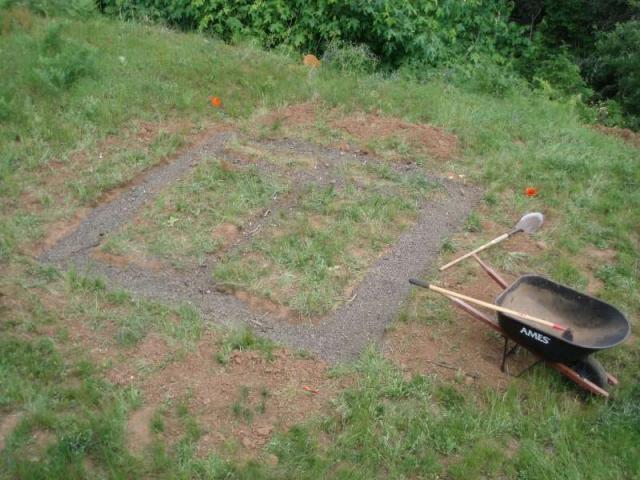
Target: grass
pixel 75 101
pixel 316 253
pixel 185 221
pixel 243 339
pixel 123 74
pixel 126 319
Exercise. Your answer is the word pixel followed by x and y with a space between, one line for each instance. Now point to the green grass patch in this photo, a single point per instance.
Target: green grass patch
pixel 243 339
pixel 198 216
pixel 321 248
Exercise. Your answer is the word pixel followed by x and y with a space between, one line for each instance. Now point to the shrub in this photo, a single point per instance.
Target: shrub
pixel 62 61
pixel 563 75
pixel 615 66
pixel 395 31
pixel 346 57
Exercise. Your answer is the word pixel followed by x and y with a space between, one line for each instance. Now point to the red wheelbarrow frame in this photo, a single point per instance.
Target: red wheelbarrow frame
pixel 488 321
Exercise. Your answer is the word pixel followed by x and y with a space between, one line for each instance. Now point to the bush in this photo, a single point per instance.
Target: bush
pixel 62 61
pixel 395 31
pixel 345 57
pixel 615 67
pixel 563 75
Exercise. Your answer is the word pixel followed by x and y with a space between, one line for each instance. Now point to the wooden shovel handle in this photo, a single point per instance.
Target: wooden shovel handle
pixel 490 306
pixel 499 239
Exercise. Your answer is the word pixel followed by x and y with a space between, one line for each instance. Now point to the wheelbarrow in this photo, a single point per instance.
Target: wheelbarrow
pixel 595 325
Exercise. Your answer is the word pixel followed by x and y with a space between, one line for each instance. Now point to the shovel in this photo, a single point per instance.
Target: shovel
pixel 529 223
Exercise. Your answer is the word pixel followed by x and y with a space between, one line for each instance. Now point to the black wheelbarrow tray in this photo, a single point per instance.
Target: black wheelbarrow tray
pixel 595 326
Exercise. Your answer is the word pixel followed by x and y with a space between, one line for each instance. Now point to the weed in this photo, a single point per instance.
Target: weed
pixel 62 62
pixel 241 408
pixel 447 246
pixel 264 396
pixel 473 224
pixel 82 284
pixel 243 339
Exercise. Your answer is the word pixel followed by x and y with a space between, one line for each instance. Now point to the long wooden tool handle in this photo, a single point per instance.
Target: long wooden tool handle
pixel 496 308
pixel 479 249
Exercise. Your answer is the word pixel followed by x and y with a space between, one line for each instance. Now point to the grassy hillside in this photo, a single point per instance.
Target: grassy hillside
pixel 87 104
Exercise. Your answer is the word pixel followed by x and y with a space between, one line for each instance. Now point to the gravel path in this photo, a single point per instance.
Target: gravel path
pixel 340 336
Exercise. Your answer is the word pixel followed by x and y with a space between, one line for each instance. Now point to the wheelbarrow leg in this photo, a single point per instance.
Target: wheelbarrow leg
pixel 504 354
pixel 507 353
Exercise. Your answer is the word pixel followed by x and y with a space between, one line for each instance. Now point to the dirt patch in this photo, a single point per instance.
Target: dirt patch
pixel 590 260
pixel 38 443
pixel 125 260
pixel 629 136
pixel 369 127
pixel 240 405
pixel 147 356
pixel 463 350
pixel 139 428
pixel 366 128
pixel 7 425
pixel 265 306
pixel 602 255
pixel 299 114
pixel 226 234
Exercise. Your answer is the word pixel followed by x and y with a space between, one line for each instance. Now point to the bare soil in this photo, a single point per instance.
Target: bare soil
pixel 365 128
pixel 129 259
pixel 629 136
pixel 276 398
pixel 139 428
pixel 7 424
pixel 462 351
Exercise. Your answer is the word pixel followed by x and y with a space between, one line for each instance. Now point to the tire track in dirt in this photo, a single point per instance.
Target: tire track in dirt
pixel 340 336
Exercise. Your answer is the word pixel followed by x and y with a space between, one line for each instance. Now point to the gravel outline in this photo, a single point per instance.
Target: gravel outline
pixel 341 335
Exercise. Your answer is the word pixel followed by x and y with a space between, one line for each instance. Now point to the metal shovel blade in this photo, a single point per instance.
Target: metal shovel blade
pixel 530 223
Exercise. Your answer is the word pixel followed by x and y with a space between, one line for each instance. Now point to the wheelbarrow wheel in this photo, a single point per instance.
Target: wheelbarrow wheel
pixel 592 370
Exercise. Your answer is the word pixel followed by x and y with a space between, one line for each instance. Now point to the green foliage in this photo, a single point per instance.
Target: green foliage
pixel 348 58
pixel 393 30
pixel 243 339
pixel 61 62
pixel 573 22
pixel 65 8
pixel 553 70
pixel 616 66
pixel 484 45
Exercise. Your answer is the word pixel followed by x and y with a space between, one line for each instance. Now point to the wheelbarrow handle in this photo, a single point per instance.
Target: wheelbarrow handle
pixel 418 283
pixel 490 306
